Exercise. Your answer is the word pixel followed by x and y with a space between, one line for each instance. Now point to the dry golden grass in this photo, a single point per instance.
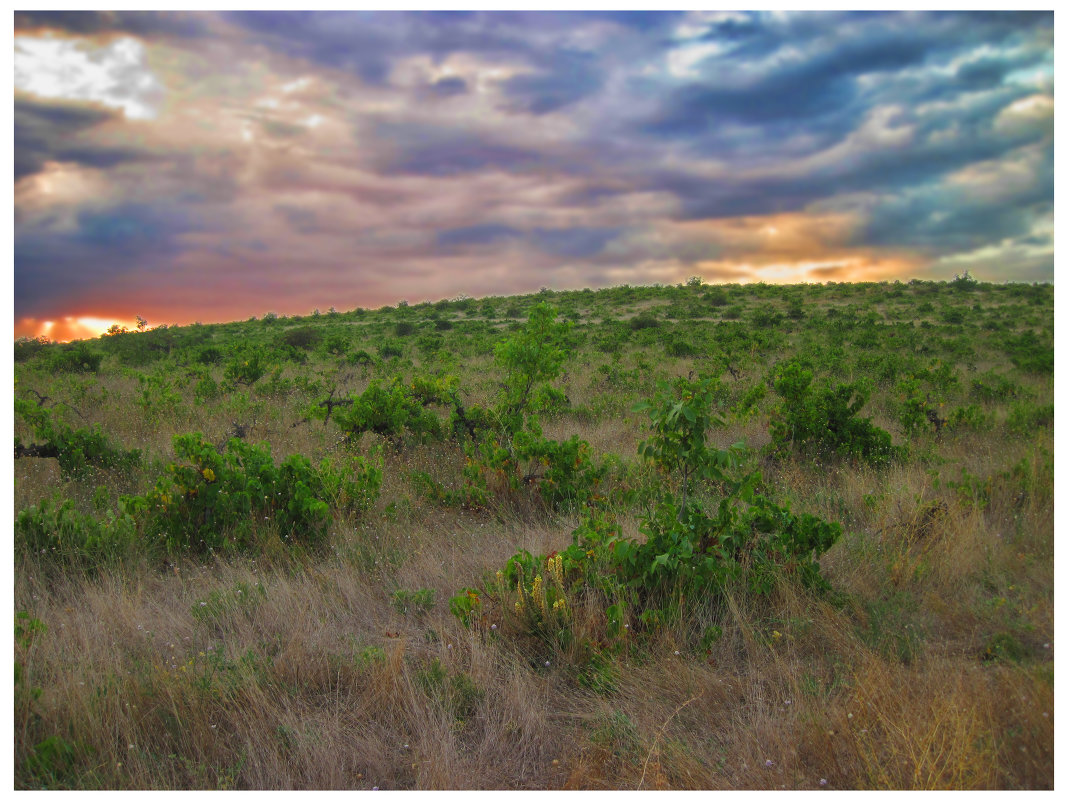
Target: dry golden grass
pixel 191 677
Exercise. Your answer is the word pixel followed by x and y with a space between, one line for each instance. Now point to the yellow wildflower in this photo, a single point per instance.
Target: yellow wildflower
pixel 538 593
pixel 209 474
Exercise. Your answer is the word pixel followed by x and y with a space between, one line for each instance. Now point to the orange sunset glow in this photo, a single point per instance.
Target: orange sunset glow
pixel 69 328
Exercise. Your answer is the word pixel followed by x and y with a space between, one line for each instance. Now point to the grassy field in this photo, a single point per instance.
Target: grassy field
pixel 859 595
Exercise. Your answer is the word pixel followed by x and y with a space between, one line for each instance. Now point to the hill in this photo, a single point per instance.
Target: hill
pixel 686 537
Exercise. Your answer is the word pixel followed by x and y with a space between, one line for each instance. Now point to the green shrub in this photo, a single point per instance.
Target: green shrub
pixel 990 386
pixel 76 450
pixel 247 366
pixel 64 535
pixel 1029 354
pixel 643 320
pixel 767 316
pixel 305 337
pixel 210 354
pixel 158 398
pixel 74 358
pixel 206 389
pixel 823 422
pixel 390 351
pixel 1024 418
pixel 688 556
pixel 27 348
pixel 969 417
pixel 392 410
pixel 217 501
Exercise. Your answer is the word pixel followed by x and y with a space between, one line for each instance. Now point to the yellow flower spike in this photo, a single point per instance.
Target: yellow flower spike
pixel 209 474
pixel 538 593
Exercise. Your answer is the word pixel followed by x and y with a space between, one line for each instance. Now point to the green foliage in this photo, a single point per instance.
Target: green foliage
pixel 206 390
pixel 964 282
pixel 534 355
pixel 63 535
pixel 247 366
pixel 158 398
pixel 914 407
pixel 393 410
pixel 457 693
pixel 74 358
pixel 746 406
pixel 1004 647
pixel 304 337
pixel 680 416
pixel 27 629
pixel 1029 353
pixel 50 765
pixel 766 316
pixel 391 350
pixel 823 422
pixel 990 387
pixel 969 417
pixel 687 552
pixel 1025 418
pixel 27 348
pixel 643 321
pixel 218 500
pixel 504 448
pixel 77 450
pixel 418 601
pixel 209 354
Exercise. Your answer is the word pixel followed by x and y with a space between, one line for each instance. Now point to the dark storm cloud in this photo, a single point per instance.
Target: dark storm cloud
pixel 449 87
pixel 944 220
pixel 50 131
pixel 803 72
pixel 484 234
pixel 369 43
pixel 823 84
pixel 573 243
pixel 56 265
pixel 416 148
pixel 563 243
pixel 485 152
pixel 571 77
pixel 147 24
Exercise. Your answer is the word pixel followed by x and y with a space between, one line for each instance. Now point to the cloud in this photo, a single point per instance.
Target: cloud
pixel 449 87
pixel 573 243
pixel 424 149
pixel 111 74
pixel 571 77
pixel 146 24
pixel 47 131
pixel 317 159
pixel 488 233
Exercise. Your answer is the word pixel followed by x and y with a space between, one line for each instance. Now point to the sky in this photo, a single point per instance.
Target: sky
pixel 212 166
